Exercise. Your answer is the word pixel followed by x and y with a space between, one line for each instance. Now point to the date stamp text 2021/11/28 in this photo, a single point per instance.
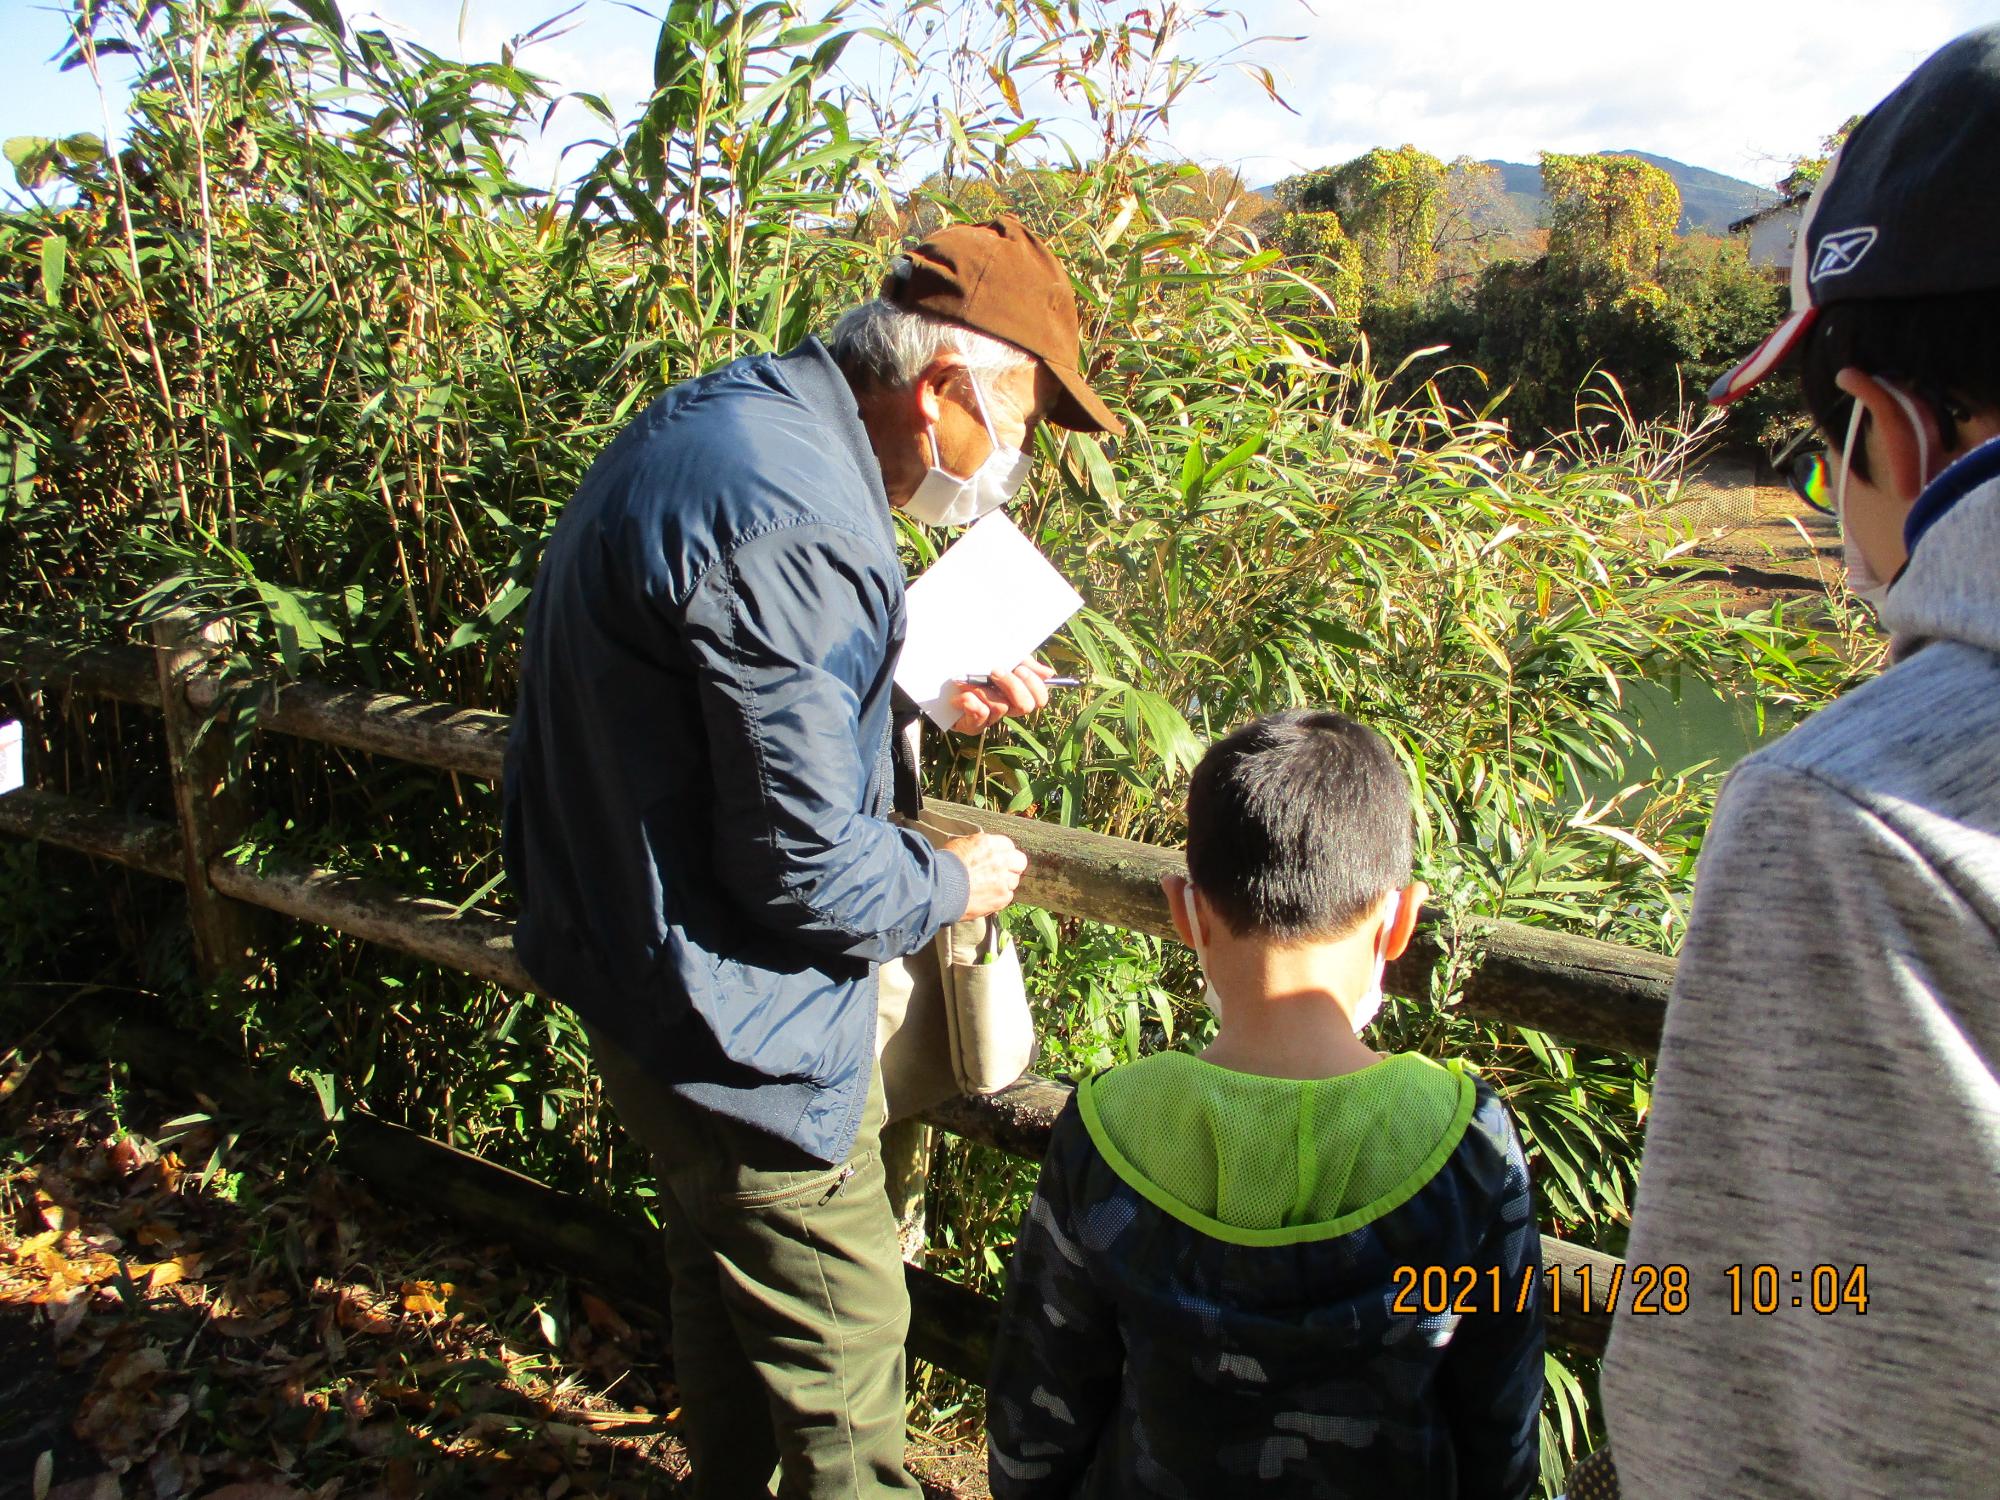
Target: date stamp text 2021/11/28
pixel 1651 1290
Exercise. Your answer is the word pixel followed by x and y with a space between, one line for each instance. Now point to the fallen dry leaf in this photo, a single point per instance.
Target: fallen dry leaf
pixel 173 1474
pixel 35 1244
pixel 426 1297
pixel 356 1314
pixel 610 1421
pixel 158 1235
pixel 255 1490
pixel 167 1272
pixel 66 1277
pixel 123 1371
pixel 604 1317
pixel 127 1156
pixel 235 1326
pixel 16 1074
pixel 66 1317
pixel 123 1417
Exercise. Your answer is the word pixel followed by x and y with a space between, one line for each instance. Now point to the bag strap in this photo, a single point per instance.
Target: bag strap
pixel 905 736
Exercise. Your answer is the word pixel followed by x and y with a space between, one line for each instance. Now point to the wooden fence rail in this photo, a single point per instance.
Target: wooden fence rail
pixel 1592 993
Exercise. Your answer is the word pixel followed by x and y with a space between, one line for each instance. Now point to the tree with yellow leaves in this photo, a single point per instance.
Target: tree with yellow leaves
pixel 1611 219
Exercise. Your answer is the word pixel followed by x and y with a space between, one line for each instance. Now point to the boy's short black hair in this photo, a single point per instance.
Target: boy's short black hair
pixel 1944 351
pixel 1298 823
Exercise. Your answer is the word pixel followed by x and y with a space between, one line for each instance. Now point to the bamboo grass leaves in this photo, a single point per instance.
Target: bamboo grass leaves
pixel 731 176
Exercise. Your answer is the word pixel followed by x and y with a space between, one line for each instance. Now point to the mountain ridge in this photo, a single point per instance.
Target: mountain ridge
pixel 1710 200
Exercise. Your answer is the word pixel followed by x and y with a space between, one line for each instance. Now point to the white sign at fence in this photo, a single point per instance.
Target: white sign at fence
pixel 10 757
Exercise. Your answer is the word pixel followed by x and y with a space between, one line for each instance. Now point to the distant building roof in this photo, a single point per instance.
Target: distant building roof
pixel 1770 211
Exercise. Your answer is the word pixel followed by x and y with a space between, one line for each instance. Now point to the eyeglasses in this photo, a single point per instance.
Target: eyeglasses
pixel 1804 464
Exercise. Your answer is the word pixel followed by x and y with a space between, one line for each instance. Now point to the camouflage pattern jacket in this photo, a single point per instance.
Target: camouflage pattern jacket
pixel 1153 1344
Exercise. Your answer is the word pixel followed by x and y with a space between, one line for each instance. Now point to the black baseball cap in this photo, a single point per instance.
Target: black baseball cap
pixel 1909 206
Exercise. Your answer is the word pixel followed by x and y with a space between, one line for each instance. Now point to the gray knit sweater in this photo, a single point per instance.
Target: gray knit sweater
pixel 1827 1092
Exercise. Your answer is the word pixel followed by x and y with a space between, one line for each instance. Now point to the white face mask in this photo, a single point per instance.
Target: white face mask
pixel 1862 578
pixel 1370 1003
pixel 944 499
pixel 1365 1008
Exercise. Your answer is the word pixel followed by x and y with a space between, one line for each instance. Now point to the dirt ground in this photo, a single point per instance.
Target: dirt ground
pixel 1772 544
pixel 185 1312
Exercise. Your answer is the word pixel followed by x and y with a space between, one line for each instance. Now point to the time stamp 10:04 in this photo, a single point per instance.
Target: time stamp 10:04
pixel 1762 1289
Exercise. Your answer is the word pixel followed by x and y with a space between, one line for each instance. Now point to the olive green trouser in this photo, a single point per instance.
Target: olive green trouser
pixel 788 1301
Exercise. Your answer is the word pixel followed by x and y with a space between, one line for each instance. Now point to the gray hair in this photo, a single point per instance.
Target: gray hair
pixel 892 346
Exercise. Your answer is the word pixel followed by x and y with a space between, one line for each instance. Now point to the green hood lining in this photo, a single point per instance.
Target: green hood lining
pixel 1289 1234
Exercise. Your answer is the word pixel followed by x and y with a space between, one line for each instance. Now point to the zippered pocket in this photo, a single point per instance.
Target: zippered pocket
pixel 810 1189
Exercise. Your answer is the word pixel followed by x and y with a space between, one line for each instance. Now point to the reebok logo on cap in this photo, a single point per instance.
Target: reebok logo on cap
pixel 1842 252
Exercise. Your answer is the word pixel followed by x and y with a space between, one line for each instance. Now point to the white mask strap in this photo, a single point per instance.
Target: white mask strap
pixel 1194 922
pixel 1923 436
pixel 979 401
pixel 1846 464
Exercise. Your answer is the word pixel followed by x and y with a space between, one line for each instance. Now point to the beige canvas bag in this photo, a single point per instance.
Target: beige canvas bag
pixel 952 1019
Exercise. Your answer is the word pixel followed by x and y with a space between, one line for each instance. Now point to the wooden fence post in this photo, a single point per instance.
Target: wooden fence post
pixel 906 1160
pixel 209 805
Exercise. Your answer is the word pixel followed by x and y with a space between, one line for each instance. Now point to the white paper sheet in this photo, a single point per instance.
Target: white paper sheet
pixel 986 604
pixel 10 757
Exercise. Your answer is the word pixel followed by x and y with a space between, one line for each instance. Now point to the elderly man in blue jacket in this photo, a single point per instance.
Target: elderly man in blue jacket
pixel 699 792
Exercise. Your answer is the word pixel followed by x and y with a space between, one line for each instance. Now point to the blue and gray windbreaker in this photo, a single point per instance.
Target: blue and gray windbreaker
pixel 1218 1290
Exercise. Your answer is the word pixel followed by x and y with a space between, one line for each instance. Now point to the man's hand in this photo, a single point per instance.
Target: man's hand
pixel 994 866
pixel 1020 691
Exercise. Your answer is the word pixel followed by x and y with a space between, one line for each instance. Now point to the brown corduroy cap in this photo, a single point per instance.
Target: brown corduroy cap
pixel 1000 279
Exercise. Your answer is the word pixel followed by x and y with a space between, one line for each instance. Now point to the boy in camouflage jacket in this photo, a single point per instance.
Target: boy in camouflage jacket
pixel 1220 1282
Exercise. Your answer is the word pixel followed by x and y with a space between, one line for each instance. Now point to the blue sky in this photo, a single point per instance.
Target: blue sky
pixel 1740 86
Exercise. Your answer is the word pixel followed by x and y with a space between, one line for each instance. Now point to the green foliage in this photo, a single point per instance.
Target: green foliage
pixel 1414 255
pixel 1807 170
pixel 306 354
pixel 1611 219
pixel 39 160
pixel 1387 204
pixel 1659 342
pixel 1318 249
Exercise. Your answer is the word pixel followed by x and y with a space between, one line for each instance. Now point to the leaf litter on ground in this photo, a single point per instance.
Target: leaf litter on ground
pixel 258 1327
pixel 269 1330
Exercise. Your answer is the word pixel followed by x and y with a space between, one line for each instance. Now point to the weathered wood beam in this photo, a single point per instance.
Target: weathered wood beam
pixel 470 940
pixel 1572 1325
pixel 112 671
pixel 1016 1120
pixel 146 844
pixel 211 806
pixel 1083 874
pixel 470 741
pixel 1579 990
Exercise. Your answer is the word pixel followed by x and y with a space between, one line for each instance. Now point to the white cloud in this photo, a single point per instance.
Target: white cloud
pixel 1741 86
